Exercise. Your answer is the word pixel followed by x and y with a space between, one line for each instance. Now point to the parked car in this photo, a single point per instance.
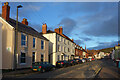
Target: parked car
pixel 89 59
pixel 42 66
pixel 72 62
pixel 83 60
pixel 93 59
pixel 63 63
pixel 78 61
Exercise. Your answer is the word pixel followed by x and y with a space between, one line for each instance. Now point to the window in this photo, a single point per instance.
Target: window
pixel 33 42
pixel 73 50
pixel 58 38
pixel 42 44
pixel 23 40
pixel 58 47
pixel 68 42
pixel 61 48
pixel 33 57
pixel 22 58
pixel 68 50
pixel 42 57
pixel 64 41
pixel 64 49
pixel 58 57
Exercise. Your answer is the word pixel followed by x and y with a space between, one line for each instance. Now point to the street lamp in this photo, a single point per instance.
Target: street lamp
pixel 16 39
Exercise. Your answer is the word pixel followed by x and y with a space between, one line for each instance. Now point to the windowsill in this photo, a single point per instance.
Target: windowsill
pixel 22 63
pixel 23 46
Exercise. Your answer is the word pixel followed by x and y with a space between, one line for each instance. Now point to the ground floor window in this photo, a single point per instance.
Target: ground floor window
pixel 42 57
pixel 33 57
pixel 58 57
pixel 23 57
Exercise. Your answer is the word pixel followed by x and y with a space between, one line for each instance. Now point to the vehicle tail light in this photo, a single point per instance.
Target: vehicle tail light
pixel 30 66
pixel 62 63
pixel 56 62
pixel 39 66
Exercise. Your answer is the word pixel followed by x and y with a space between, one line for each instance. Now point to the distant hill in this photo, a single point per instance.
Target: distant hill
pixel 106 50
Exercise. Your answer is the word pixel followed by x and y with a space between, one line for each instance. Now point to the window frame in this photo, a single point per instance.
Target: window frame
pixel 22 58
pixel 42 45
pixel 24 40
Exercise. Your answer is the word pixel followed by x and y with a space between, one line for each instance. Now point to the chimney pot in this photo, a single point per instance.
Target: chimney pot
pixel 25 21
pixel 6 11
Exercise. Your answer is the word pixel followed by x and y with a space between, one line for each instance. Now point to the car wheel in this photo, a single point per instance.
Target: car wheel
pixel 43 70
pixel 53 68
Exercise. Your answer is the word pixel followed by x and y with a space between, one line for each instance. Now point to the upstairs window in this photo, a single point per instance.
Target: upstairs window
pixel 23 39
pixel 42 44
pixel 33 42
pixel 68 50
pixel 59 48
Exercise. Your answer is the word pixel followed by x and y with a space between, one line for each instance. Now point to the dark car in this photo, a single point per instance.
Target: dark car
pixel 72 62
pixel 93 59
pixel 42 66
pixel 63 63
pixel 85 59
pixel 78 61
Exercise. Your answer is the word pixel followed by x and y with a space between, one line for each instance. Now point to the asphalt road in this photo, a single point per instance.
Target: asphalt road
pixel 85 70
pixel 101 69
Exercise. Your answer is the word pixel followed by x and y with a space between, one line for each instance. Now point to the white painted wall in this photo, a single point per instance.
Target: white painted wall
pixel 0 50
pixel 53 38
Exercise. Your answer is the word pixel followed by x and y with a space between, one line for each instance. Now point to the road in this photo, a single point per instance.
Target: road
pixel 85 70
pixel 96 69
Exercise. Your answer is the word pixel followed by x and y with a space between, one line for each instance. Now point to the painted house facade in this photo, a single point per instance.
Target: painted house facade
pixel 32 46
pixel 78 51
pixel 63 48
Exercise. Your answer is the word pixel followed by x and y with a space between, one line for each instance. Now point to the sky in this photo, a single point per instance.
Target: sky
pixel 94 24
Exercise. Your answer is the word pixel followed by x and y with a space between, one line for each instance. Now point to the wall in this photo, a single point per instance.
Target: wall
pixel 53 37
pixel 29 50
pixel 7 45
pixel 0 45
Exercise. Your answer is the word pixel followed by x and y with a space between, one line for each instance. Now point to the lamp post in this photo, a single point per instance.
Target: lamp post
pixel 16 40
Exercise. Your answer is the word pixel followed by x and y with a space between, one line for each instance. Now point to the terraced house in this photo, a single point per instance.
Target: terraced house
pixel 62 47
pixel 32 46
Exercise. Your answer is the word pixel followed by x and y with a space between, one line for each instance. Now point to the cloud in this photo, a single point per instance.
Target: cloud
pixel 104 28
pixel 68 25
pixel 79 42
pixel 102 45
pixel 85 38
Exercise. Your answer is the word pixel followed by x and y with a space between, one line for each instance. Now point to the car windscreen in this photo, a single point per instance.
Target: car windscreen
pixel 37 63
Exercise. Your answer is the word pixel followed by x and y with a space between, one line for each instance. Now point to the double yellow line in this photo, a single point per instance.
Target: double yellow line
pixel 97 71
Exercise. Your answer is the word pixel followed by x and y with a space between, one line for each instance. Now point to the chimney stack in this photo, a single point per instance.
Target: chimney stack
pixel 25 21
pixel 6 11
pixel 61 30
pixel 57 30
pixel 44 28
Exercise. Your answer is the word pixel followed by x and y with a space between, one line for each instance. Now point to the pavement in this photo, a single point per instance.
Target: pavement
pixel 104 68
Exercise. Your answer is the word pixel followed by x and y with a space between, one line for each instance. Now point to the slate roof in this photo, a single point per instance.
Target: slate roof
pixel 26 29
pixel 63 35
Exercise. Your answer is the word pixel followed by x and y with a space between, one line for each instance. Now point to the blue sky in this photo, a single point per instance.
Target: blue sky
pixel 94 24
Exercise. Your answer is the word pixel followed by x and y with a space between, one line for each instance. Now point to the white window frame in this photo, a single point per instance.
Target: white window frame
pixel 43 45
pixel 23 40
pixel 20 58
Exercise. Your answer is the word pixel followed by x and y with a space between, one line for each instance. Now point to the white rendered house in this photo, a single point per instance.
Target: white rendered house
pixel 62 47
